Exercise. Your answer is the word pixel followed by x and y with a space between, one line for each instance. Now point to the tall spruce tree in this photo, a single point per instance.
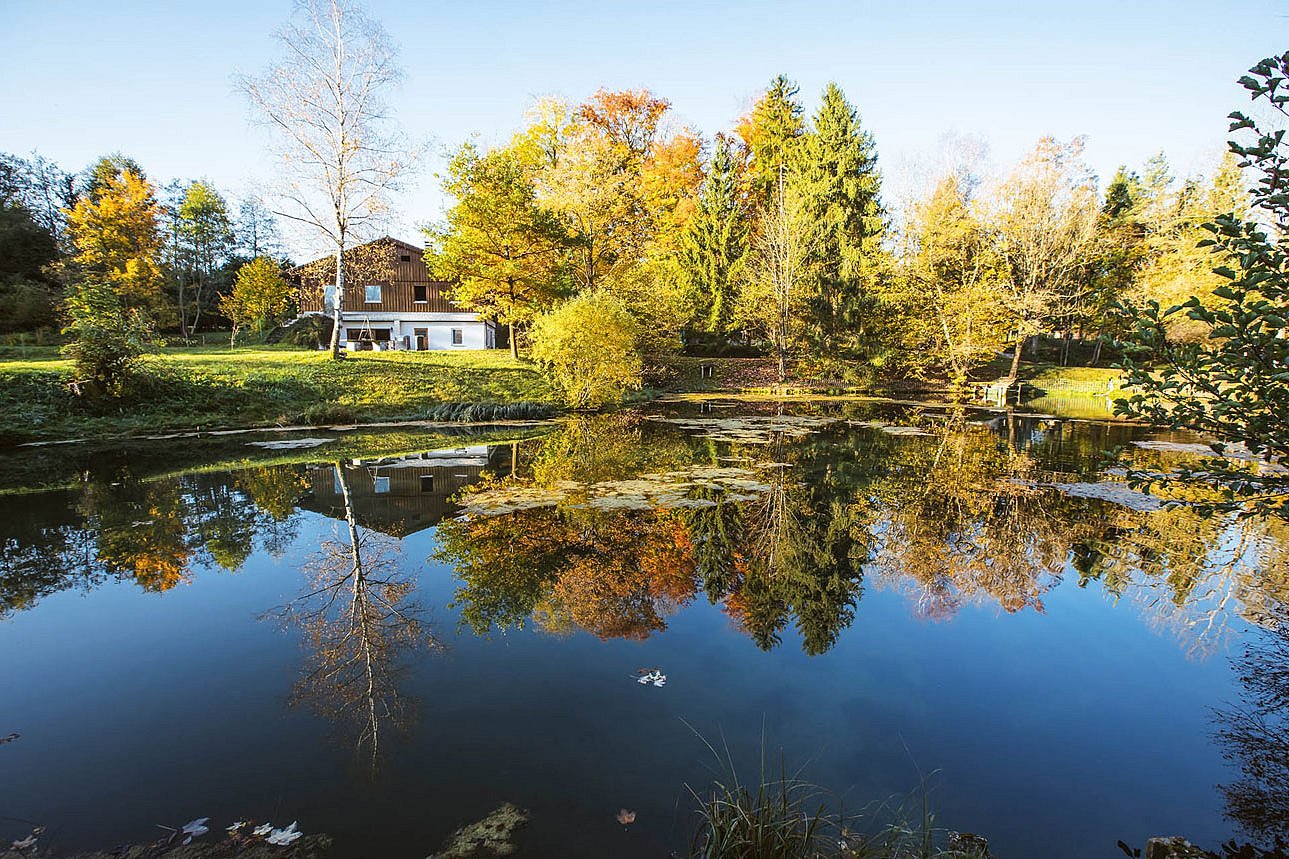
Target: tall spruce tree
pixel 714 242
pixel 771 132
pixel 838 176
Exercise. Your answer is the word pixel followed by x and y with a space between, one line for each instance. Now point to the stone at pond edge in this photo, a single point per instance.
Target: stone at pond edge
pixel 968 845
pixel 308 847
pixel 487 838
pixel 1175 847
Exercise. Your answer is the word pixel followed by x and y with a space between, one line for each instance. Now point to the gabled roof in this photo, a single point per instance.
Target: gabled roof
pixel 396 242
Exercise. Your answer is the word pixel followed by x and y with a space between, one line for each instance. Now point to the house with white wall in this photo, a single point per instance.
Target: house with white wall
pixel 391 302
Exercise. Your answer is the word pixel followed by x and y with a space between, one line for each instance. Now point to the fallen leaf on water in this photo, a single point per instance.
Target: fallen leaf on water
pixel 262 830
pixel 237 825
pixel 197 827
pixel 625 817
pixel 24 843
pixel 282 837
pixel 9 738
pixel 656 677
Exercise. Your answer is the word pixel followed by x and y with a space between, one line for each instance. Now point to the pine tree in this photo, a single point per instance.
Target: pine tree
pixel 715 241
pixel 838 176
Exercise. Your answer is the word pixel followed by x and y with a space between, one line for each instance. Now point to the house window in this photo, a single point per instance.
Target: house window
pixel 705 371
pixel 420 293
pixel 457 338
pixel 328 296
pixel 427 482
pixel 405 258
pixel 373 293
pixel 381 485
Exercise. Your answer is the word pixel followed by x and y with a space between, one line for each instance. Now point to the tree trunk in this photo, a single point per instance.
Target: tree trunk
pixel 232 338
pixel 1015 370
pixel 1096 353
pixel 783 364
pixel 340 298
pixel 514 343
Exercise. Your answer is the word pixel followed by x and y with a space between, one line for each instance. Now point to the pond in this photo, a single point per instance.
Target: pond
pixel 385 637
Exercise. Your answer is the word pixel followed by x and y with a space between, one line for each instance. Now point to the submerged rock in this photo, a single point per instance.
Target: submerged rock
pixel 487 838
pixel 1174 847
pixel 968 845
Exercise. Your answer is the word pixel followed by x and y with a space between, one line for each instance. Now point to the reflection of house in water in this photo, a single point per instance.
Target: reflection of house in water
pixel 402 495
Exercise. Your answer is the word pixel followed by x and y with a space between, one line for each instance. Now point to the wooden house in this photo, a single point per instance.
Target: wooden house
pixel 401 495
pixel 391 302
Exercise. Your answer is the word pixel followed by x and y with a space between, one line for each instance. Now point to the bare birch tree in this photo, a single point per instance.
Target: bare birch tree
pixel 341 152
pixel 778 267
pixel 1044 221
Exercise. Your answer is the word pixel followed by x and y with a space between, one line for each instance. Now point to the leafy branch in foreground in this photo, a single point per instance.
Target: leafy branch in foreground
pixel 1233 386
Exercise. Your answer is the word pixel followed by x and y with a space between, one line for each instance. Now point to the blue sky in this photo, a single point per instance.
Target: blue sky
pixel 153 80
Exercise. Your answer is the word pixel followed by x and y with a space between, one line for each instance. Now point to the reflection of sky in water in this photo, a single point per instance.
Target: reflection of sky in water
pixel 1062 712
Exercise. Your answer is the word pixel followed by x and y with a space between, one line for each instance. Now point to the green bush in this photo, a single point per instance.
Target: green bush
pixel 107 340
pixel 588 346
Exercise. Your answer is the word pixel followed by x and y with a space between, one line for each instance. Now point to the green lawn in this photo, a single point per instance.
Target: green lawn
pixel 211 387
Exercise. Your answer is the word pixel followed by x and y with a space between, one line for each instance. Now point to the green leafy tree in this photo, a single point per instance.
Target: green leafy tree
pixel 500 247
pixel 206 235
pixel 1233 386
pixel 260 296
pixel 714 244
pixel 106 339
pixel 588 345
pixel 838 176
pixel 951 315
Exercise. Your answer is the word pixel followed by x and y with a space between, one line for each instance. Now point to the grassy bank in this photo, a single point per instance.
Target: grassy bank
pixel 215 388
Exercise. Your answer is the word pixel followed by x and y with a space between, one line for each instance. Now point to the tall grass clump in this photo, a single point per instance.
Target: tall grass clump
pixel 785 817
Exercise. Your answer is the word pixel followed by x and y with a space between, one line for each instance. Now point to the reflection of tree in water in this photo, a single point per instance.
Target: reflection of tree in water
pixel 1191 576
pixel 960 519
pixel 1254 736
pixel 785 551
pixel 359 625
pixel 152 532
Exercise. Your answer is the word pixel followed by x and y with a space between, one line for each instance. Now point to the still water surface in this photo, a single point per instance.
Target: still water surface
pixel 387 644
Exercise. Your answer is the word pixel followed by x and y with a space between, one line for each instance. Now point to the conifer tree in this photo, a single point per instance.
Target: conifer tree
pixel 715 241
pixel 839 179
pixel 771 132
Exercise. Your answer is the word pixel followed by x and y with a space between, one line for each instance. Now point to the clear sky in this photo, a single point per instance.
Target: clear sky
pixel 153 79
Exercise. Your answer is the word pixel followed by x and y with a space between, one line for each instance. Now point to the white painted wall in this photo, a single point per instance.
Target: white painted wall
pixel 474 332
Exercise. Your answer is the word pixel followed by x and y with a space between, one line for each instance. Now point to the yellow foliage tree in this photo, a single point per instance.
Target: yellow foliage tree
pixel 115 232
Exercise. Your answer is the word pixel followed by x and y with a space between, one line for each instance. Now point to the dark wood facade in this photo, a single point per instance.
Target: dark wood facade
pixel 406 285
pixel 403 495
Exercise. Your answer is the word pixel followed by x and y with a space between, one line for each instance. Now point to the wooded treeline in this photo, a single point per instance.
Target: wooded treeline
pixel 170 253
pixel 776 238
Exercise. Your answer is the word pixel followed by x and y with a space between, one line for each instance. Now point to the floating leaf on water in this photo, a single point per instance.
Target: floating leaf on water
pixel 1114 493
pixel 9 738
pixel 283 837
pixel 24 843
pixel 235 827
pixel 196 827
pixel 262 830
pixel 656 677
pixel 626 817
pixel 291 443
